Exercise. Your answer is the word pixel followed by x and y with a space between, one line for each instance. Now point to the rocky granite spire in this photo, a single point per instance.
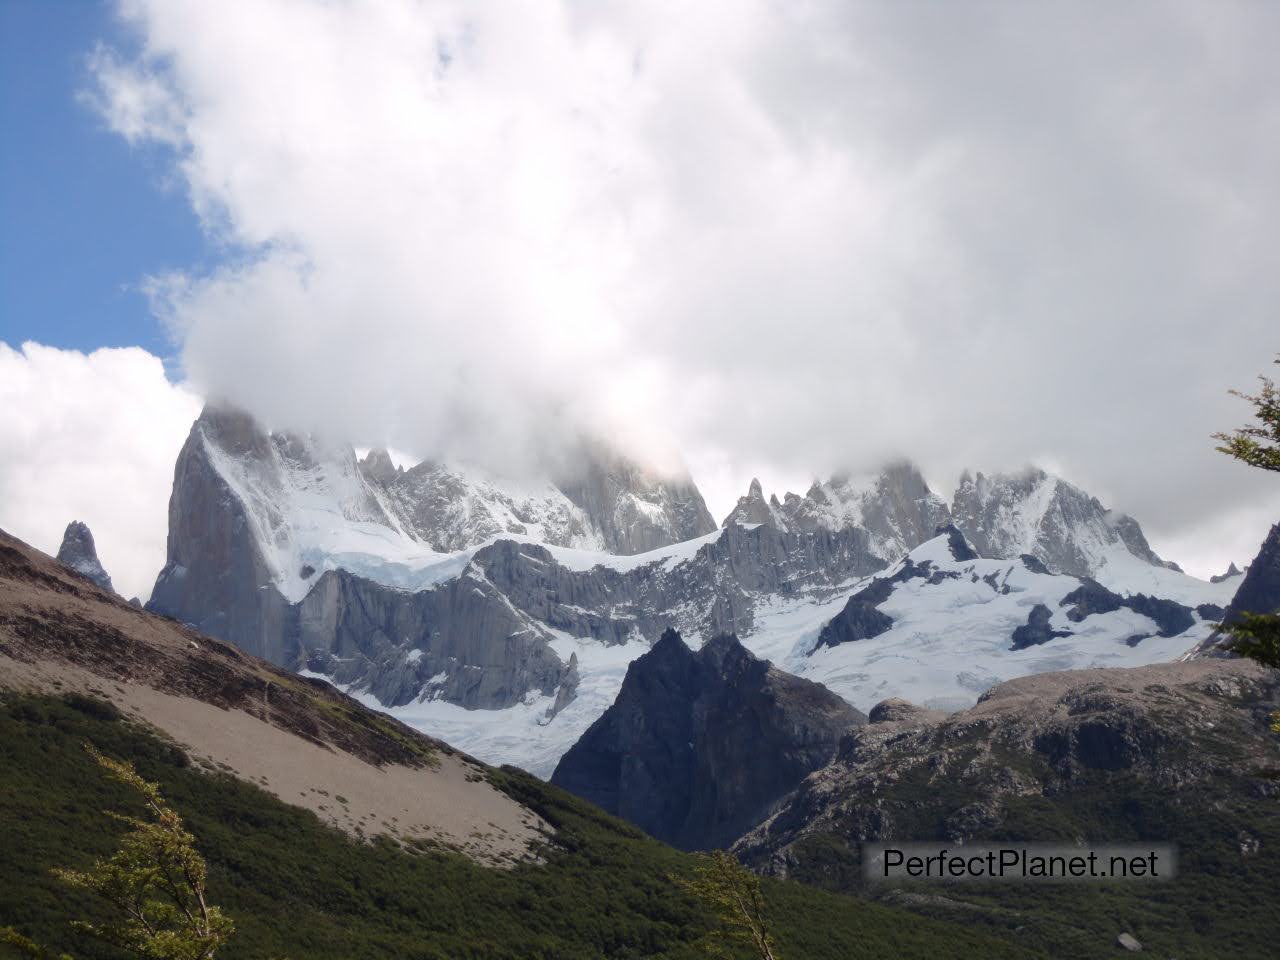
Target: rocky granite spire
pixel 79 553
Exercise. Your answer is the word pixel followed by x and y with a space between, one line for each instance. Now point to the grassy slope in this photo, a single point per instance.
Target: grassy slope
pixel 300 889
pixel 1222 903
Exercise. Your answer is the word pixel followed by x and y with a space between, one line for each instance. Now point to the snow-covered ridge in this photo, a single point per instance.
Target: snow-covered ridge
pixel 312 506
pixel 950 641
pixel 1005 515
pixel 444 584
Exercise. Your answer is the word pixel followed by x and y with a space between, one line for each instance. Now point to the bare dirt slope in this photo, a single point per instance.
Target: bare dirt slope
pixel 303 741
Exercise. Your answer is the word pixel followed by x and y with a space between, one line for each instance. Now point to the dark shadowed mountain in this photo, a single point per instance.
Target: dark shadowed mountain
pixel 699 745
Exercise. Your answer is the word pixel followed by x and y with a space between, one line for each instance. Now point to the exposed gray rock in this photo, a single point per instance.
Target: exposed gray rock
pixel 1231 571
pixel 634 509
pixel 715 591
pixel 897 710
pixel 457 642
pixel 895 507
pixel 378 466
pixel 79 553
pixel 698 746
pixel 1032 512
pixel 1036 630
pixel 449 510
pixel 1127 941
pixel 753 508
pixel 1091 597
pixel 1193 736
pixel 216 577
pixel 491 620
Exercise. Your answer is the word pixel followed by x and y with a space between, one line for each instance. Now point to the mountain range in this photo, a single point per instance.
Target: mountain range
pixel 502 616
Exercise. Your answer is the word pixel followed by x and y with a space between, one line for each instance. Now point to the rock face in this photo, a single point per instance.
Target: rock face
pixel 492 614
pixel 1231 571
pixel 79 553
pixel 217 576
pixel 598 501
pixel 1032 512
pixel 633 509
pixel 1259 591
pixel 698 746
pixel 1194 735
pixel 440 583
pixel 457 642
pixel 895 507
pixel 257 518
pixel 1004 515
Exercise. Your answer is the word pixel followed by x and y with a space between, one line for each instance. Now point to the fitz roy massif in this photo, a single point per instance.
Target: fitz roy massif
pixel 503 617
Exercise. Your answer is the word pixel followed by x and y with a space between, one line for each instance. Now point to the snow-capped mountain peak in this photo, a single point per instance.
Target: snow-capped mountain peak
pixel 894 506
pixel 1034 512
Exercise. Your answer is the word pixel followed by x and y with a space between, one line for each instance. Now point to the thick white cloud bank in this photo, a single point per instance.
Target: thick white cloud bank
pixel 778 238
pixel 91 437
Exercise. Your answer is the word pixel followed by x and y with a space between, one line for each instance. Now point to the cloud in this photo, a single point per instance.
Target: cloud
pixel 91 437
pixel 790 237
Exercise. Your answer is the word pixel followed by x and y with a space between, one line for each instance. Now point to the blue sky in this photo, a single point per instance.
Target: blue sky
pixel 84 217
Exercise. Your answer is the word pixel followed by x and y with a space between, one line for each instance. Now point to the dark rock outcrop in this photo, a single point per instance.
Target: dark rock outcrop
pixel 79 553
pixel 860 620
pixel 1259 591
pixel 1171 618
pixel 1036 630
pixel 1118 749
pixel 959 545
pixel 699 745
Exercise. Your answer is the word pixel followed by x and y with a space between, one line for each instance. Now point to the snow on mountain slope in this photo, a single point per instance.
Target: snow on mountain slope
pixel 952 634
pixel 309 509
pixel 1036 513
pixel 522 735
pixel 451 507
pixel 953 623
pixel 311 506
pixel 525 624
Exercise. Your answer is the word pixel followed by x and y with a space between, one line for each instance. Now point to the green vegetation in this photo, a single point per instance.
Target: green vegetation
pixel 734 896
pixel 1228 837
pixel 297 888
pixel 155 882
pixel 1257 444
pixel 1257 635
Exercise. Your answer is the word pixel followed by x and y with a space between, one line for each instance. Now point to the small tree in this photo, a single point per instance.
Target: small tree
pixel 1257 635
pixel 155 882
pixel 732 893
pixel 1257 445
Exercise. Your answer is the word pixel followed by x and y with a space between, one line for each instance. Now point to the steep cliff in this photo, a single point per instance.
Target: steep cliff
pixel 697 746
